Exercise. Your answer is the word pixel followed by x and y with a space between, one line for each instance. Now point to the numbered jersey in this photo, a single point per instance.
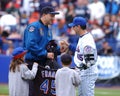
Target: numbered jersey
pixel 85 51
pixel 44 83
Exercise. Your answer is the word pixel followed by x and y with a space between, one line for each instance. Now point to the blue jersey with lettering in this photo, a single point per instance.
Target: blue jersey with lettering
pixel 44 83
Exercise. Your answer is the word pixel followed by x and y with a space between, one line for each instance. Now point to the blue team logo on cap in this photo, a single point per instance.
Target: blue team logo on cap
pixel 78 21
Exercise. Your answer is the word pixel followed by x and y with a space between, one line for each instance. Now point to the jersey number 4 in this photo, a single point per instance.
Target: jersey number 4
pixel 46 85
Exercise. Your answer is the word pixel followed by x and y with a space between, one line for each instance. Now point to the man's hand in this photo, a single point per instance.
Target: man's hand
pixel 50 55
pixel 63 46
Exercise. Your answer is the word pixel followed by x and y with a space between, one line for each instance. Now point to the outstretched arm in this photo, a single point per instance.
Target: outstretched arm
pixel 27 73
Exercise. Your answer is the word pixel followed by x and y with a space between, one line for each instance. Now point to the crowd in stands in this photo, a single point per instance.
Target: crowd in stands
pixel 103 22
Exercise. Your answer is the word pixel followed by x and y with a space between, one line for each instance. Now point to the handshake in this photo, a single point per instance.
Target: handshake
pixel 64 46
pixel 51 48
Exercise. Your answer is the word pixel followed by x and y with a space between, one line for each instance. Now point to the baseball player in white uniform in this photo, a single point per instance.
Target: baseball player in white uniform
pixel 85 57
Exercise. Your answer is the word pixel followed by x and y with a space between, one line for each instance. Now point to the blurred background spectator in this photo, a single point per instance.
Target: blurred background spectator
pixel 97 10
pixel 106 49
pixel 98 34
pixel 8 20
pixel 81 9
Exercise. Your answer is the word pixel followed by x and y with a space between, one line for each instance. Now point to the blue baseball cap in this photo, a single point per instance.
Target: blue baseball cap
pixel 18 52
pixel 78 21
pixel 47 8
pixel 44 4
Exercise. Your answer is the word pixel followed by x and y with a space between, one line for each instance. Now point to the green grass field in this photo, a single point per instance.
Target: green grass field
pixel 98 91
pixel 3 90
pixel 107 92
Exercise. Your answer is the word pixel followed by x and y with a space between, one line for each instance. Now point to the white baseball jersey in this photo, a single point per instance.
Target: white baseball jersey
pixel 89 75
pixel 85 40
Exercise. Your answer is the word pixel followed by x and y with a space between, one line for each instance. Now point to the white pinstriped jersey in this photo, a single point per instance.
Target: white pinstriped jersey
pixel 85 40
pixel 89 75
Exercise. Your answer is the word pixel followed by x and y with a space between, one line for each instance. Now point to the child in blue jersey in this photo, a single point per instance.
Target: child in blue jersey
pixel 66 79
pixel 19 74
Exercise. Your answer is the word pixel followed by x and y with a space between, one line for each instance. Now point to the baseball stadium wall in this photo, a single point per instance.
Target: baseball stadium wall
pixel 108 67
